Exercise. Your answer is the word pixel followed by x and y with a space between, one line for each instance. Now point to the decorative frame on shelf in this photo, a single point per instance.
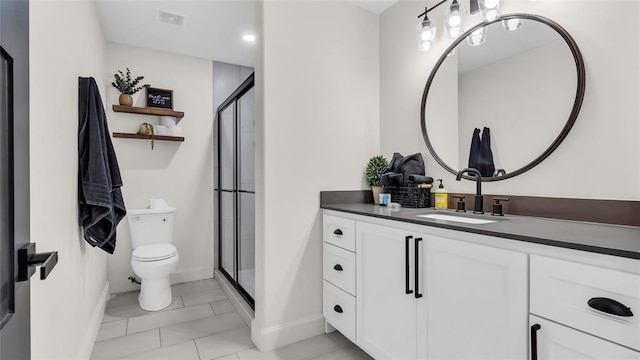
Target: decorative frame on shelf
pixel 159 98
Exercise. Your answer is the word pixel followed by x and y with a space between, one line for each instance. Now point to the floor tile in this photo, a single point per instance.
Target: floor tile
pixel 126 298
pixel 134 309
pixel 126 345
pixel 222 307
pixel 228 357
pixel 228 342
pixel 202 297
pixel 200 328
pixel 183 351
pixel 194 286
pixel 339 339
pixel 301 350
pixel 170 317
pixel 349 353
pixel 112 329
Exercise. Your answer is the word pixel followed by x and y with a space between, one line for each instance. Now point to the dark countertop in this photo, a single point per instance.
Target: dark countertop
pixel 607 239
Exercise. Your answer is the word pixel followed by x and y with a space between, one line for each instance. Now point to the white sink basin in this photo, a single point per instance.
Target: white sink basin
pixel 466 220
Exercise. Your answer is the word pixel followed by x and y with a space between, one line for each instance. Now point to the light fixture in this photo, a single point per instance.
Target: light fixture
pixel 249 37
pixel 489 9
pixel 512 24
pixel 454 20
pixel 425 32
pixel 478 37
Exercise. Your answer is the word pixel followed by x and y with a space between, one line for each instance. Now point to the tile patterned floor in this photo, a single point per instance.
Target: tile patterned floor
pixel 200 324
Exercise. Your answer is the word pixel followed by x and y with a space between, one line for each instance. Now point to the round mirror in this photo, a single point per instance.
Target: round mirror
pixel 503 96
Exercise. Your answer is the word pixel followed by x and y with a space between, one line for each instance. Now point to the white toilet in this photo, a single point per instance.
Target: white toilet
pixel 153 258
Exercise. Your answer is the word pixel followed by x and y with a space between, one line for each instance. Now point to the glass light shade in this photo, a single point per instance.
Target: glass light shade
pixel 454 20
pixel 512 24
pixel 425 34
pixel 490 9
pixel 477 37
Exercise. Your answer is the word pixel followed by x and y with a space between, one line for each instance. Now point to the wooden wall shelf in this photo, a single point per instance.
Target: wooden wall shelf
pixel 148 111
pixel 147 137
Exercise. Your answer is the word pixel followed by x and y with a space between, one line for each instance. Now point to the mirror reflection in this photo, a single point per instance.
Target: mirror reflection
pixel 515 83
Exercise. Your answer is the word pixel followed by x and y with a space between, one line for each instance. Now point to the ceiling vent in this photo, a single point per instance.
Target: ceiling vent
pixel 171 18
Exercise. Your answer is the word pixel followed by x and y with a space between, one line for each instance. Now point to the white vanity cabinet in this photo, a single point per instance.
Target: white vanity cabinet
pixel 468 302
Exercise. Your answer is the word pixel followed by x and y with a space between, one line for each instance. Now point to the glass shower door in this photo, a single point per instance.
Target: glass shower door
pixel 226 190
pixel 246 192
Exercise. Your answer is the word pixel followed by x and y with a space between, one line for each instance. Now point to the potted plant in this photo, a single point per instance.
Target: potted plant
pixel 375 168
pixel 127 86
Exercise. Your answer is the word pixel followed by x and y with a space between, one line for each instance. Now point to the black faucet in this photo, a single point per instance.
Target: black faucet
pixel 477 204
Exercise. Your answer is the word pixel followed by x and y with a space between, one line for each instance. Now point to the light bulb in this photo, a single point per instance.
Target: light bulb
pixel 490 4
pixel 478 37
pixel 426 34
pixel 455 20
pixel 491 15
pixel 424 46
pixel 512 24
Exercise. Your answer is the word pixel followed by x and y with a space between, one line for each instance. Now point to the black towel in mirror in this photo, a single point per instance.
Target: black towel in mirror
pixel 487 166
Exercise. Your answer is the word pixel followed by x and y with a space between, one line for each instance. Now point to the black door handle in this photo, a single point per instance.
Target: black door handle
pixel 337 309
pixel 337 232
pixel 28 260
pixel 416 255
pixel 406 265
pixel 534 341
pixel 609 306
pixel 337 267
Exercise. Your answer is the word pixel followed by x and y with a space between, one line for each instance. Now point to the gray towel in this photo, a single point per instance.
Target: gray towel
pixel 420 179
pixel 412 165
pixel 392 180
pixel 101 206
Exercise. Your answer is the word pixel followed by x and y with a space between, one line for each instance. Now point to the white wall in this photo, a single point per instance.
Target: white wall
pixel 67 307
pixel 317 125
pixel 179 172
pixel 598 159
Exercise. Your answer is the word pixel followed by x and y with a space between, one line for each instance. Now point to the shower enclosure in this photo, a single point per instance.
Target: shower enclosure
pixel 235 189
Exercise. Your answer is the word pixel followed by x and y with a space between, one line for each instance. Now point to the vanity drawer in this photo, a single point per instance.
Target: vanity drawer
pixel 339 308
pixel 340 232
pixel 339 268
pixel 561 291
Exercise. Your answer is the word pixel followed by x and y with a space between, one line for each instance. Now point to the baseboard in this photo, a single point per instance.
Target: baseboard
pixel 274 337
pixel 192 274
pixel 94 324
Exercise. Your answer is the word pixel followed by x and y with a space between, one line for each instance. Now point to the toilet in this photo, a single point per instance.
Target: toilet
pixel 154 258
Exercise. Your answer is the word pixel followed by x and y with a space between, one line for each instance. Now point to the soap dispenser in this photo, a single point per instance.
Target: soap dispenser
pixel 442 197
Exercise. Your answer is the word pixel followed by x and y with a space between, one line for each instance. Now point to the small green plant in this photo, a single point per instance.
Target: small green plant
pixel 125 84
pixel 375 168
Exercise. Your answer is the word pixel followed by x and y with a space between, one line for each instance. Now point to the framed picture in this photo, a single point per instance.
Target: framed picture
pixel 159 98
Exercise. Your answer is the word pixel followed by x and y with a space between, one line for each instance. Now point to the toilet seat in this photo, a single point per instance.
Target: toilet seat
pixel 156 252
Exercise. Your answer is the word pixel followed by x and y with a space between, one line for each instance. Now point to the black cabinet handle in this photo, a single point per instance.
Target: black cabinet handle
pixel 338 267
pixel 417 267
pixel 337 309
pixel 337 232
pixel 406 265
pixel 534 341
pixel 609 306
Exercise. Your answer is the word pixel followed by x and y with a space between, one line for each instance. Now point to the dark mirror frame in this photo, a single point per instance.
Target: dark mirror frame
pixel 580 69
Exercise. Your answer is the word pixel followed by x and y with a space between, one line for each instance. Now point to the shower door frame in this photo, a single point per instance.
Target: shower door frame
pixel 232 100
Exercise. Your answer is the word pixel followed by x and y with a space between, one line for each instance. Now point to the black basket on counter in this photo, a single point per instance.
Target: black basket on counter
pixel 410 196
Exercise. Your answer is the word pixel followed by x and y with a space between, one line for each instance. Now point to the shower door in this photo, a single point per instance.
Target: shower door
pixel 235 190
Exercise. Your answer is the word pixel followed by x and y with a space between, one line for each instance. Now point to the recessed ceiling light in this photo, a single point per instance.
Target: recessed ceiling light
pixel 249 38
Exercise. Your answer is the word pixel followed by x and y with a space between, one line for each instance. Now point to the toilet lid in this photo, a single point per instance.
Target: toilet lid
pixel 154 252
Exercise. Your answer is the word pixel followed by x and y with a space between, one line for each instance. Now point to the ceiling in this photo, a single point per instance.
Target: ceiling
pixel 213 29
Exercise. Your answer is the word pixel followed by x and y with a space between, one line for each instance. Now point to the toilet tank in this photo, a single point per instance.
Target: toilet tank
pixel 151 226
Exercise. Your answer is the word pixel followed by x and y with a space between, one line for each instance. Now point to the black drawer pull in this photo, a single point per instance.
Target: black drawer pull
pixel 406 265
pixel 416 270
pixel 609 306
pixel 337 232
pixel 337 309
pixel 338 267
pixel 534 341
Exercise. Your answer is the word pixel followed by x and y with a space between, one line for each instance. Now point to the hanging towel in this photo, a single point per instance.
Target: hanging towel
pixel 101 206
pixel 475 153
pixel 487 166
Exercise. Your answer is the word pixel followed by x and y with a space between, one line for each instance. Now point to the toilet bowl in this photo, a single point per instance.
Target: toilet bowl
pixel 153 264
pixel 154 258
